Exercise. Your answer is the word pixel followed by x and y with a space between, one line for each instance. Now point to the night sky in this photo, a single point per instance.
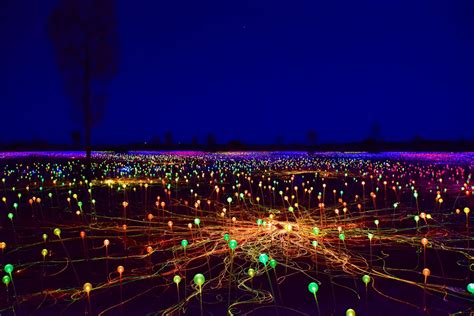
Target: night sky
pixel 254 70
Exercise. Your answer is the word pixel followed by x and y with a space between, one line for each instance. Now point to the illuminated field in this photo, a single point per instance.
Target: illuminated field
pixel 240 233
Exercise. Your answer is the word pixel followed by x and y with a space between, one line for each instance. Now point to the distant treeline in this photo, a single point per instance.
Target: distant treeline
pixel 369 146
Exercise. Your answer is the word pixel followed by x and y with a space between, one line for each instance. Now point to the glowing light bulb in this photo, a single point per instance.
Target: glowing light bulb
pixel 232 244
pixel 313 287
pixel 470 288
pixel 199 279
pixel 8 268
pixel 350 312
pixel 273 263
pixel 263 258
pixel 87 288
pixel 424 241
pixel 57 232
pixel 426 272
pixel 6 280
pixel 366 279
pixel 251 272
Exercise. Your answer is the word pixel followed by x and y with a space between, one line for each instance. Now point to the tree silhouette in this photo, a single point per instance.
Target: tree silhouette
pixel 312 138
pixel 195 142
pixel 211 141
pixel 375 132
pixel 169 138
pixel 84 36
pixel 279 140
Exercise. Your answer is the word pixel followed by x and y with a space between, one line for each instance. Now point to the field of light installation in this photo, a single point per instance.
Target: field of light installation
pixel 240 233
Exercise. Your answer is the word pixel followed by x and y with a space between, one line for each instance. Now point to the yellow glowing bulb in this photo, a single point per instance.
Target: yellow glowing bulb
pixel 87 288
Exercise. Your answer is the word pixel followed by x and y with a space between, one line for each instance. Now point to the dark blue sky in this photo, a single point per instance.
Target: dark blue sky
pixel 254 70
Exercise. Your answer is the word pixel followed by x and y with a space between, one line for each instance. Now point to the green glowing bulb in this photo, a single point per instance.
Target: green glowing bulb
pixel 370 235
pixel 417 218
pixel 313 287
pixel 259 222
pixel 6 280
pixel 8 268
pixel 176 279
pixel 197 221
pixel 377 222
pixel 251 272
pixel 273 263
pixel 366 279
pixel 79 204
pixel 229 200
pixel 314 243
pixel 291 209
pixel 316 230
pixel 10 216
pixel 15 205
pixel 350 312
pixel 57 232
pixel 226 237
pixel 470 288
pixel 45 237
pixel 184 243
pixel 44 252
pixel 263 258
pixel 232 244
pixel 50 195
pixel 199 279
pixel 342 236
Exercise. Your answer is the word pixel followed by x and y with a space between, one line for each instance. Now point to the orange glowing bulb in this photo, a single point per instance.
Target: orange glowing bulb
pixel 424 241
pixel 426 272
